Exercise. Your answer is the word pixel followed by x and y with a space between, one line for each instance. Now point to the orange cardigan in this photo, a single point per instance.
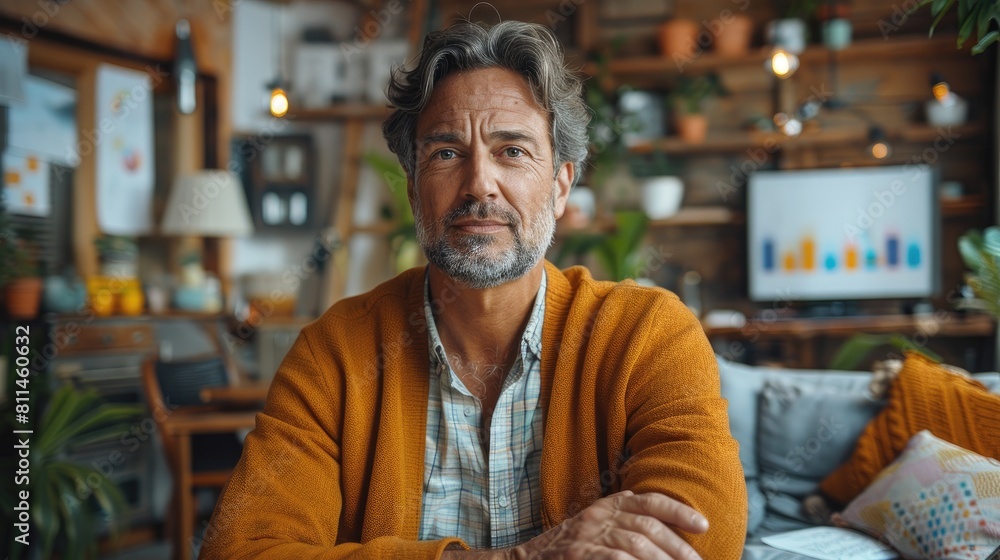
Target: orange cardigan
pixel 335 466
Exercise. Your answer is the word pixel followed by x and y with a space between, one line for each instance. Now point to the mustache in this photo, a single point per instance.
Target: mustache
pixel 482 211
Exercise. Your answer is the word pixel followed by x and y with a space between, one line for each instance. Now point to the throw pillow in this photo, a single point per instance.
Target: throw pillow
pixel 803 432
pixel 936 500
pixel 742 385
pixel 924 397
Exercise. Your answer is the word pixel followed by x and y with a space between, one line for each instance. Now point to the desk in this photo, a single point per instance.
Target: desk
pixel 804 333
pixel 181 426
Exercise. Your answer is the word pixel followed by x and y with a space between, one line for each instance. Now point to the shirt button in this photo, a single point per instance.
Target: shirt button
pixel 503 501
pixel 469 411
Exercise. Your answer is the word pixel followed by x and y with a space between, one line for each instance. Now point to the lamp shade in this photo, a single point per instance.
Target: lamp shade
pixel 208 203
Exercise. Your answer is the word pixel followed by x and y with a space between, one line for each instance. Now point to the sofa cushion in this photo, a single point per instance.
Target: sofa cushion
pixel 805 430
pixel 924 396
pixel 741 386
pixel 936 500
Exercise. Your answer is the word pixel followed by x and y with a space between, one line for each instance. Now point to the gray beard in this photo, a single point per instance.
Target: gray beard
pixel 468 259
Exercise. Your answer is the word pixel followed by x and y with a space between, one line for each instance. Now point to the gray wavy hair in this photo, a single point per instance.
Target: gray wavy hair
pixel 529 49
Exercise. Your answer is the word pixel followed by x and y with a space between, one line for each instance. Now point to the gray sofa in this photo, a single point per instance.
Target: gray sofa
pixel 794 428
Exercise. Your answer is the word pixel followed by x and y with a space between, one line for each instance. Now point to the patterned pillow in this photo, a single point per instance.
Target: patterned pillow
pixel 936 500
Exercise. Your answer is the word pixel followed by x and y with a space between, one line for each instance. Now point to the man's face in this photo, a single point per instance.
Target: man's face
pixel 485 192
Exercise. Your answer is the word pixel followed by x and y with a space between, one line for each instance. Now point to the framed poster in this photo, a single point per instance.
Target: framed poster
pixel 123 144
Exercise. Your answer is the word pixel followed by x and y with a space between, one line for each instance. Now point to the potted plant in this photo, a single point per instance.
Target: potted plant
pixel 679 38
pixel 662 187
pixel 981 16
pixel 834 16
pixel 790 32
pixel 687 99
pixel 19 272
pixel 70 502
pixel 981 253
pixel 118 255
pixel 403 238
pixel 617 252
pixel 608 130
pixel 733 38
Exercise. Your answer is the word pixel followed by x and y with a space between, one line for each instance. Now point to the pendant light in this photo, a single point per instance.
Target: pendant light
pixel 185 69
pixel 278 104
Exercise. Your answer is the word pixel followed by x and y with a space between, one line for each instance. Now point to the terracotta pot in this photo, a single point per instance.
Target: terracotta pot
pixel 679 38
pixel 23 296
pixel 692 128
pixel 734 39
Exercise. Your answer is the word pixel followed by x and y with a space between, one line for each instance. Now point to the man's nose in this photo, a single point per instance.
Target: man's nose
pixel 480 181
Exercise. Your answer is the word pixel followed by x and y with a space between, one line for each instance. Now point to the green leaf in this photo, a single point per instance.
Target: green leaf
pixel 855 349
pixel 46 511
pixel 394 177
pixel 940 13
pixel 965 30
pixel 983 19
pixel 991 241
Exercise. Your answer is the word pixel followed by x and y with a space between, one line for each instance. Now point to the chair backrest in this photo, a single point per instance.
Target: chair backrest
pixel 181 382
pixel 170 386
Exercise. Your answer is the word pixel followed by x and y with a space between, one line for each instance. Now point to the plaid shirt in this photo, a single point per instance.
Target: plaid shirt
pixel 494 501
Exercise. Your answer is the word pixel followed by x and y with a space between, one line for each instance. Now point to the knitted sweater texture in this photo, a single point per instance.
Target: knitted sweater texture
pixel 334 468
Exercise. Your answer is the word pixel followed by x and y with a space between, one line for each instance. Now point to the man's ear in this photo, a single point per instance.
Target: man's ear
pixel 564 180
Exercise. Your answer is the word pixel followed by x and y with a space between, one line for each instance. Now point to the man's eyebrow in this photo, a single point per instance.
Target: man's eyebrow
pixel 512 136
pixel 440 138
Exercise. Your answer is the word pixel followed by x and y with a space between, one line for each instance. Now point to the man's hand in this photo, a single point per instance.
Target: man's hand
pixel 620 527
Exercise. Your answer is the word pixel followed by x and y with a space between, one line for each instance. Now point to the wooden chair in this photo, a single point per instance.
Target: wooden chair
pixel 199 439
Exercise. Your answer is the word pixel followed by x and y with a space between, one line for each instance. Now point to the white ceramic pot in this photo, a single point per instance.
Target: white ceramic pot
pixel 581 205
pixel 952 112
pixel 789 34
pixel 661 196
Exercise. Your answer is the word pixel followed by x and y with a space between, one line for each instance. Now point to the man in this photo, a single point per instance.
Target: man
pixel 490 401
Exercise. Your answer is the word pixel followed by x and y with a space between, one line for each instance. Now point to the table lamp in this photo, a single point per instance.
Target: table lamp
pixel 206 203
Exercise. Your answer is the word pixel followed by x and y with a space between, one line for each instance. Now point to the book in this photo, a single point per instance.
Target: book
pixel 831 543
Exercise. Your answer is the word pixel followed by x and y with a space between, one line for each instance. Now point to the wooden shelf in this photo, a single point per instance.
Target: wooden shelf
pixel 701 216
pixel 738 141
pixel 692 216
pixel 380 228
pixel 950 324
pixel 339 112
pixel 964 206
pixel 863 49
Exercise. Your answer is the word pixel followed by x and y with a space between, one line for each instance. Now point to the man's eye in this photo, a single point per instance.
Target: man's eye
pixel 446 154
pixel 514 152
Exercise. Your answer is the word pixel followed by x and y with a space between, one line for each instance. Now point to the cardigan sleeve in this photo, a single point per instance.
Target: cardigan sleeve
pixel 284 498
pixel 678 438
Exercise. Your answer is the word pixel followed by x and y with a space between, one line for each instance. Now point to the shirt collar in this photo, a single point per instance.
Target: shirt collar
pixel 531 339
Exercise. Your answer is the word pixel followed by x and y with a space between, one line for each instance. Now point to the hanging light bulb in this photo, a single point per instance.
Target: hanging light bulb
pixel 782 63
pixel 279 102
pixel 788 125
pixel 879 147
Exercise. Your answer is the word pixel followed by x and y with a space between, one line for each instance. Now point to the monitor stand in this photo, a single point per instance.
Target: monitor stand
pixel 827 309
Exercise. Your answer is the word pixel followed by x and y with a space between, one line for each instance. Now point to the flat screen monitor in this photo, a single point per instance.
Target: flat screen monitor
pixel 843 234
